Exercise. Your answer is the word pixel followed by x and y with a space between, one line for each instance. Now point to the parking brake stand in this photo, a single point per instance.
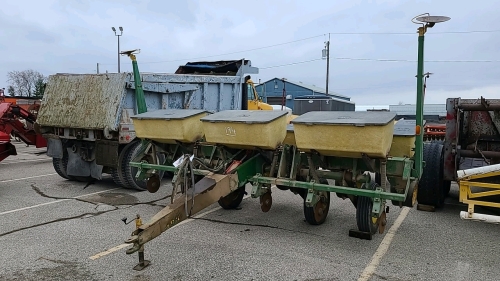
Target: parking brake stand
pixel 142 262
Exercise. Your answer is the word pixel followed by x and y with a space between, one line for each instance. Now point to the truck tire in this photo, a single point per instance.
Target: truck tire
pixel 116 177
pixel 431 185
pixel 129 172
pixel 61 166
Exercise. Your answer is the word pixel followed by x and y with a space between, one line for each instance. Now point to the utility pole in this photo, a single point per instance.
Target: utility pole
pixel 326 54
pixel 118 35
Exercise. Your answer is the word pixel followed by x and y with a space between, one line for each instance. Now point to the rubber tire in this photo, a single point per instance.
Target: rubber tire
pixel 118 174
pixel 116 177
pixel 129 172
pixel 431 184
pixel 446 183
pixel 61 166
pixel 233 200
pixel 363 212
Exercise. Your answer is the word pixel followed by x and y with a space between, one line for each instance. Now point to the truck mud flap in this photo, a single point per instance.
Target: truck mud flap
pixel 107 153
pixel 79 168
pixel 54 148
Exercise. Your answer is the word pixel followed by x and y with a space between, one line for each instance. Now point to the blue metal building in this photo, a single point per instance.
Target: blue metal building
pixel 271 92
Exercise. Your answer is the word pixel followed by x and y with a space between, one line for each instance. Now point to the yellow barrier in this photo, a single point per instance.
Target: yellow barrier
pixel 477 178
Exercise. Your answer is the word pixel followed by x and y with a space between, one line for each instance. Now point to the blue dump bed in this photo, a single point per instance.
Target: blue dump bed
pixel 104 101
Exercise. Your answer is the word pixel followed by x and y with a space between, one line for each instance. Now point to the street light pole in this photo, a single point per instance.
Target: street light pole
pixel 118 35
pixel 326 54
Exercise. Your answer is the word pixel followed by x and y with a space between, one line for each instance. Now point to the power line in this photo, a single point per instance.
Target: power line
pixel 384 60
pixel 292 63
pixel 413 33
pixel 401 60
pixel 316 36
pixel 237 52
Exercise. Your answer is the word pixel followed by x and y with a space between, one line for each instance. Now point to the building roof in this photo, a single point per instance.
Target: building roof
pixel 410 109
pixel 323 97
pixel 310 87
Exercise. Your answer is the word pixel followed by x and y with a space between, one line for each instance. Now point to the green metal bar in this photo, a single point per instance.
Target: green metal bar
pixel 419 140
pixel 139 93
pixel 330 188
pixel 249 168
pixel 147 166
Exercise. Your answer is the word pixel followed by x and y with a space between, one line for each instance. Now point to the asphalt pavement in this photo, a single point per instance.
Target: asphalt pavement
pixel 55 229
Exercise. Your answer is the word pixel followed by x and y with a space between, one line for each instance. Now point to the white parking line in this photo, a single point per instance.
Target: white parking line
pixel 119 247
pixel 383 247
pixel 27 178
pixel 56 201
pixel 23 161
pixel 107 252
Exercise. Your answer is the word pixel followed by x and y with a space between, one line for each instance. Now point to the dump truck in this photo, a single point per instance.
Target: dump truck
pixel 364 157
pixel 86 117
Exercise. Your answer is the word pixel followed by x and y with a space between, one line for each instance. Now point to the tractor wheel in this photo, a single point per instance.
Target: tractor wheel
pixel 431 185
pixel 233 200
pixel 129 172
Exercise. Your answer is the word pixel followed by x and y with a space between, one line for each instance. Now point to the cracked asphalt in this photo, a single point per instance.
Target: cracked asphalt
pixel 50 228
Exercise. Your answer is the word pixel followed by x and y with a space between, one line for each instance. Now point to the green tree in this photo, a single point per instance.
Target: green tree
pixel 39 88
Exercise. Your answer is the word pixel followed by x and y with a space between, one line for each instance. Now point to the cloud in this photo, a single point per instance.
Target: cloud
pixel 73 36
pixel 432 96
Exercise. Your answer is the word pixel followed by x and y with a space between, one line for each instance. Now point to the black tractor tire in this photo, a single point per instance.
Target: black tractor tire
pixel 431 185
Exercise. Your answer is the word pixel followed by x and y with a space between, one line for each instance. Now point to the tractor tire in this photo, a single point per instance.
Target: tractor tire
pixel 431 185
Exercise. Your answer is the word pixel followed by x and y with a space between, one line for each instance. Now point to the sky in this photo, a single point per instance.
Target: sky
pixel 282 38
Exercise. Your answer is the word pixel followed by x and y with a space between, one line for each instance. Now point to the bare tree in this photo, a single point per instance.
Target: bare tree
pixel 26 82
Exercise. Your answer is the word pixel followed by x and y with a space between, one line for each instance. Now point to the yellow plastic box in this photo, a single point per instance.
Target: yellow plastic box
pixel 403 141
pixel 290 136
pixel 345 133
pixel 170 125
pixel 246 129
